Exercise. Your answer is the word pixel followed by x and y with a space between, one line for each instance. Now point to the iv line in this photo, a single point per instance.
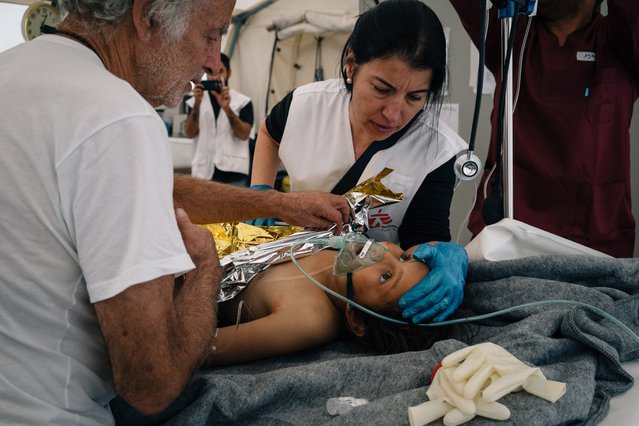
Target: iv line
pixel 214 348
pixel 467 319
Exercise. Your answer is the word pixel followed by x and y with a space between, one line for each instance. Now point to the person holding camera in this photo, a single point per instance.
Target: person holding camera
pixel 221 150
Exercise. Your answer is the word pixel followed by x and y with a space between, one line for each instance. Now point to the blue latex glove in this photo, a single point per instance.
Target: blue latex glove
pixel 441 292
pixel 262 187
pixel 264 221
pixel 270 221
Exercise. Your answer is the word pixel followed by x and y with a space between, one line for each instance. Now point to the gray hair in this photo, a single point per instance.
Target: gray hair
pixel 171 15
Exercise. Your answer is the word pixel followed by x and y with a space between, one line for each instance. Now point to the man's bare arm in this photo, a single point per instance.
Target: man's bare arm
pixel 158 335
pixel 212 202
pixel 266 160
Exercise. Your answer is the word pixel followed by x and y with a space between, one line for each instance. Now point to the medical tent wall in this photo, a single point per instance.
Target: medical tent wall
pixel 252 57
pixel 278 45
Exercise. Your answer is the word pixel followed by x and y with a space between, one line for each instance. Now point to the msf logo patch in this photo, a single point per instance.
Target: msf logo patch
pixel 379 219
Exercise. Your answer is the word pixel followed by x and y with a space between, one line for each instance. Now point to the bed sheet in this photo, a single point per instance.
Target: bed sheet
pixel 624 409
pixel 569 343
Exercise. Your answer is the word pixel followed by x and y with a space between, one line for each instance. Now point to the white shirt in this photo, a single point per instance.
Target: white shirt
pixel 86 195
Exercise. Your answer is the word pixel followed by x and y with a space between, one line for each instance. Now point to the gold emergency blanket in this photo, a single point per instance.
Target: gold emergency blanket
pixel 246 250
pixel 368 195
pixel 235 236
pixel 243 265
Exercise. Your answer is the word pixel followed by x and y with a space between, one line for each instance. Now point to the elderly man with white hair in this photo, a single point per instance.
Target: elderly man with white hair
pixel 92 244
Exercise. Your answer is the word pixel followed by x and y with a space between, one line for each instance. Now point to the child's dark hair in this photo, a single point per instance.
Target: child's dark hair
pixel 406 29
pixel 385 337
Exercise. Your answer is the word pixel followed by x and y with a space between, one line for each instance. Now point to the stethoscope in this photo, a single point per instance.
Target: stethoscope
pixel 467 164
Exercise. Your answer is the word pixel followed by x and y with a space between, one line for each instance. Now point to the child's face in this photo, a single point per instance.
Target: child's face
pixel 380 286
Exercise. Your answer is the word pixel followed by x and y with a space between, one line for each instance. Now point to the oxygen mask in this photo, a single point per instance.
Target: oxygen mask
pixel 357 252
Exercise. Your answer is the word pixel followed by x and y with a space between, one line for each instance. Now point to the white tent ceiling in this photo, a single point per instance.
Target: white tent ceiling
pixel 265 74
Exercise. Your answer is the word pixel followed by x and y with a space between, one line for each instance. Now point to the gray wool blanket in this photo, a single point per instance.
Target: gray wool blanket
pixel 571 344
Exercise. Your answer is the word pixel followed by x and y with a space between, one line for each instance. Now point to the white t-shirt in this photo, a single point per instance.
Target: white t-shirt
pixel 86 211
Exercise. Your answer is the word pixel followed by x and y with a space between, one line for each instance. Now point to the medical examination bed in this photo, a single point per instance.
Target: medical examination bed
pixel 571 344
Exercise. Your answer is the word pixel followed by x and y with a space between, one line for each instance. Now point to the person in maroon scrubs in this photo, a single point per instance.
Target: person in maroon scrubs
pixel 579 82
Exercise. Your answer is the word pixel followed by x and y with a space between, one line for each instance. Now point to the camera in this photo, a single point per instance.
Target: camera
pixel 212 85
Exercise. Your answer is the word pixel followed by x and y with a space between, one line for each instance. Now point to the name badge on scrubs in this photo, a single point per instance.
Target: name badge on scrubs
pixel 586 56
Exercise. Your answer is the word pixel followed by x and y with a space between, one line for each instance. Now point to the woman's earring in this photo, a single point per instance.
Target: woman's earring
pixel 349 80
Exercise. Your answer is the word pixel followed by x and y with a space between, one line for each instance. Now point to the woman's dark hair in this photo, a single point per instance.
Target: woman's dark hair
pixel 406 29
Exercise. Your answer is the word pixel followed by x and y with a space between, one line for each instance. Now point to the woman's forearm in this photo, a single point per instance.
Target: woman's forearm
pixel 266 160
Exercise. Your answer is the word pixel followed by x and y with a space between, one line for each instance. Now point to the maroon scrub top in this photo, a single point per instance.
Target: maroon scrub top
pixel 571 126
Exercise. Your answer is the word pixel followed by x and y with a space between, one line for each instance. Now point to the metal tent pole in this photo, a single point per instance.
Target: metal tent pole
pixel 507 146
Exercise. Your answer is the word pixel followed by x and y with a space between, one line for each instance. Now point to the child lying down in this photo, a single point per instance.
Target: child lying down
pixel 281 311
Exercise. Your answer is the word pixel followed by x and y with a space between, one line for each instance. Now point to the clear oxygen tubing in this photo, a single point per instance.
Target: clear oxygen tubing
pixel 334 241
pixel 467 319
pixel 469 211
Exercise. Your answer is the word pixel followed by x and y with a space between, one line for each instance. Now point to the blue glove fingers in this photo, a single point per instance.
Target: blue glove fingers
pixel 446 255
pixel 425 296
pixel 454 258
pixel 271 221
pixel 441 292
pixel 261 222
pixel 424 316
pixel 440 310
pixel 261 187
pixel 449 310
pixel 419 291
pixel 431 308
pixel 425 253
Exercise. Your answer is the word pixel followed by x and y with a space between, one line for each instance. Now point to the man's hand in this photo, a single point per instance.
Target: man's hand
pixel 441 292
pixel 201 198
pixel 314 209
pixel 172 331
pixel 199 244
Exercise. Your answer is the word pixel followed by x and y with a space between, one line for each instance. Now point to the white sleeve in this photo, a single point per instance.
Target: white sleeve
pixel 117 201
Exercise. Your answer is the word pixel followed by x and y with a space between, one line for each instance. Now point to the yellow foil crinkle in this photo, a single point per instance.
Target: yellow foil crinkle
pixel 235 236
pixel 370 194
pixel 374 187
